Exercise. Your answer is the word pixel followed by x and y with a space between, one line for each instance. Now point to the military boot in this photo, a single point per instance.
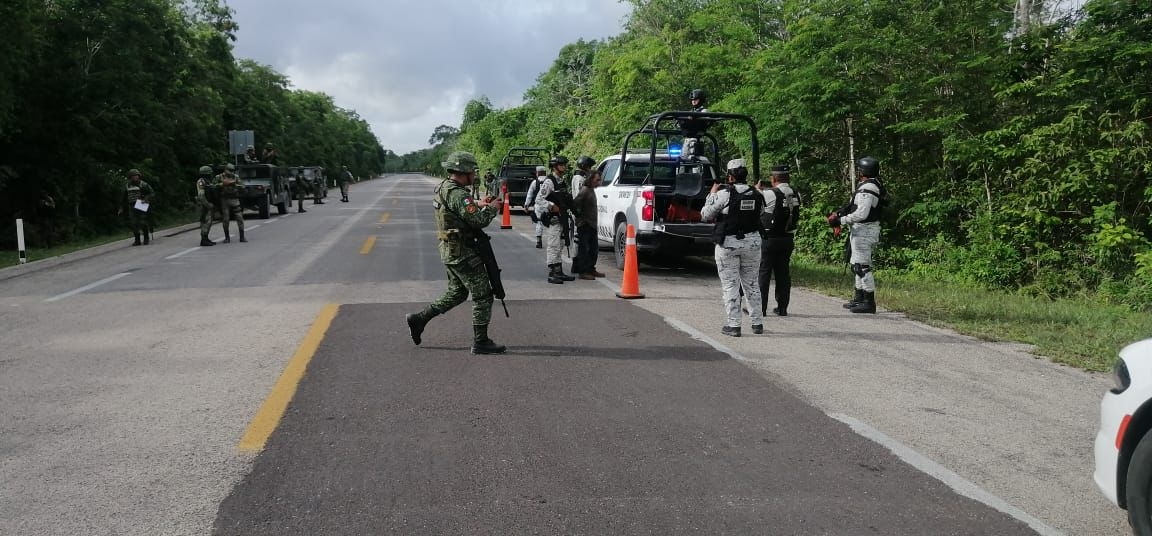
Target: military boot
pixel 146 238
pixel 482 345
pixel 227 237
pixel 564 276
pixel 539 243
pixel 204 241
pixel 867 305
pixel 856 299
pixel 242 239
pixel 137 237
pixel 417 322
pixel 554 275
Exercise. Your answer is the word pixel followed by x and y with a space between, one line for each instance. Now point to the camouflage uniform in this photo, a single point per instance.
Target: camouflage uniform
pixel 457 215
pixel 344 178
pixel 230 202
pixel 137 219
pixel 203 185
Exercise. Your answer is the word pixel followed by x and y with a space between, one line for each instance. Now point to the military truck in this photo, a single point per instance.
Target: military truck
pixel 518 170
pixel 311 178
pixel 264 186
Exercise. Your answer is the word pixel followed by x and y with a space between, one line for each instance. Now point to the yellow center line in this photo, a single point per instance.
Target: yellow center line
pixel 268 416
pixel 385 217
pixel 367 247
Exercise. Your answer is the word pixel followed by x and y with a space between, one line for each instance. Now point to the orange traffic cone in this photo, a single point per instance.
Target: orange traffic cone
pixel 630 285
pixel 506 221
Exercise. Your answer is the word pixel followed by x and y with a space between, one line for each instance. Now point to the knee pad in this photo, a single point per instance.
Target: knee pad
pixel 861 270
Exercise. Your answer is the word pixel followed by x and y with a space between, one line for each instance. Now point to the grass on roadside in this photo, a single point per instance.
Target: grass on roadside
pixel 1074 331
pixel 11 257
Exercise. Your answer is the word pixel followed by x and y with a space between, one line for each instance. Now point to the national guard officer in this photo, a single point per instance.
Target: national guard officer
pixel 137 190
pixel 863 215
pixel 530 204
pixel 344 179
pixel 204 196
pixel 698 99
pixel 583 169
pixel 458 218
pixel 736 209
pixel 229 185
pixel 780 219
pixel 554 218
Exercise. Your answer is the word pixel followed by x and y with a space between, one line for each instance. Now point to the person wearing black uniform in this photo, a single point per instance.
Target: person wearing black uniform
pixel 781 214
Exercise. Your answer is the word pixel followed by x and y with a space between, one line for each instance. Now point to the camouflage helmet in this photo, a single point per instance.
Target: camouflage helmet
pixel 269 146
pixel 133 172
pixel 460 162
pixel 230 167
pixel 205 170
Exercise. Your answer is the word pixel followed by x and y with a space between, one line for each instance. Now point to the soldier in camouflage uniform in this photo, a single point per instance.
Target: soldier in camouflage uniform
pixel 230 185
pixel 300 188
pixel 134 190
pixel 458 216
pixel 203 188
pixel 344 178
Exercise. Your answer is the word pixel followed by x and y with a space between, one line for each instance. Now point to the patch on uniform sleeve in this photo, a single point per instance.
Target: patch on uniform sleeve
pixel 470 208
pixel 467 200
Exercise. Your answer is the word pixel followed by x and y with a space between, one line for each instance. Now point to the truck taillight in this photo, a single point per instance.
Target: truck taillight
pixel 648 212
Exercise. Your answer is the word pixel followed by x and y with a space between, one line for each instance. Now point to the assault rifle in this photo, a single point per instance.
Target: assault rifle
pixel 484 250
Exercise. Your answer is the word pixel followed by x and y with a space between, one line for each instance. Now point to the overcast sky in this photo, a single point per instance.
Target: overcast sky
pixel 408 66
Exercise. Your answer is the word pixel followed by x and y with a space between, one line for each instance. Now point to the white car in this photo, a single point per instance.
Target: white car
pixel 1124 442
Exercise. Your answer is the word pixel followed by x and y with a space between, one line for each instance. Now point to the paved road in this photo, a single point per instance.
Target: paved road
pixel 122 405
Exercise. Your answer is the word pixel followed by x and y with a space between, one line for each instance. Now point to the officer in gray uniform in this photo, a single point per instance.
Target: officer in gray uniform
pixel 736 209
pixel 530 204
pixel 781 217
pixel 863 215
pixel 553 217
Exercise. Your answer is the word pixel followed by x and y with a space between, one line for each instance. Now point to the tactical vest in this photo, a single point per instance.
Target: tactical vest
pixel 881 200
pixel 743 215
pixel 449 226
pixel 785 216
pixel 229 191
pixel 134 191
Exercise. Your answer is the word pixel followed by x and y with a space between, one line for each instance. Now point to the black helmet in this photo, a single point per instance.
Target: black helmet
pixel 556 161
pixel 698 94
pixel 868 167
pixel 585 162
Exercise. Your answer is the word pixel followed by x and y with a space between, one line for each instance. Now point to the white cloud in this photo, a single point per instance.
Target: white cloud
pixel 407 67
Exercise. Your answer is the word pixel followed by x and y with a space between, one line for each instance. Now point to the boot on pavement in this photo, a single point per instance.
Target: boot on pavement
pixel 868 305
pixel 205 242
pixel 137 241
pixel 731 331
pixel 597 274
pixel 417 322
pixel 242 239
pixel 564 276
pixel 555 275
pixel 587 276
pixel 482 345
pixel 539 243
pixel 856 299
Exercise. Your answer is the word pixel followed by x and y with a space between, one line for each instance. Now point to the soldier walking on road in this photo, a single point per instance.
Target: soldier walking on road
pixel 736 209
pixel 458 218
pixel 863 214
pixel 204 196
pixel 230 185
pixel 136 190
pixel 553 218
pixel 344 179
pixel 781 214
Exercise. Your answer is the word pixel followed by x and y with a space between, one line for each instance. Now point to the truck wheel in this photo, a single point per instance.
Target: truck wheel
pixel 1139 487
pixel 262 207
pixel 619 242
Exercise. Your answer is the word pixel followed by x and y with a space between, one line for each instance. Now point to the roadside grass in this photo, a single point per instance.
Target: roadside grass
pixel 11 257
pixel 1074 331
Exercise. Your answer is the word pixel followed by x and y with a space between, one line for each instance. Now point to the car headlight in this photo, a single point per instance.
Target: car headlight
pixel 1120 377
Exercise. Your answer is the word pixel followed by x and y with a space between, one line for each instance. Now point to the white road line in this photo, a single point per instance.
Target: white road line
pixel 250 227
pixel 922 463
pixel 91 286
pixel 181 254
pixel 958 483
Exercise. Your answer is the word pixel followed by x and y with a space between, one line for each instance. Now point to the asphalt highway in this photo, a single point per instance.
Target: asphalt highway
pixel 271 388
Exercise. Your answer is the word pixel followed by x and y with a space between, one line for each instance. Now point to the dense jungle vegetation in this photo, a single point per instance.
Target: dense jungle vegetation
pixel 1014 138
pixel 90 89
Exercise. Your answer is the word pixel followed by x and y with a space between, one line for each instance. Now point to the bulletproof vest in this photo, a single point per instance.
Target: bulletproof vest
pixel 446 219
pixel 134 191
pixel 882 199
pixel 743 215
pixel 785 216
pixel 228 191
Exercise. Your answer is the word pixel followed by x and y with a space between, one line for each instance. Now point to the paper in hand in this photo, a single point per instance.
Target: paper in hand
pixel 142 206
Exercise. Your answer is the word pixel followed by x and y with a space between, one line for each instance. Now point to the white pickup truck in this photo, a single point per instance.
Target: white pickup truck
pixel 662 199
